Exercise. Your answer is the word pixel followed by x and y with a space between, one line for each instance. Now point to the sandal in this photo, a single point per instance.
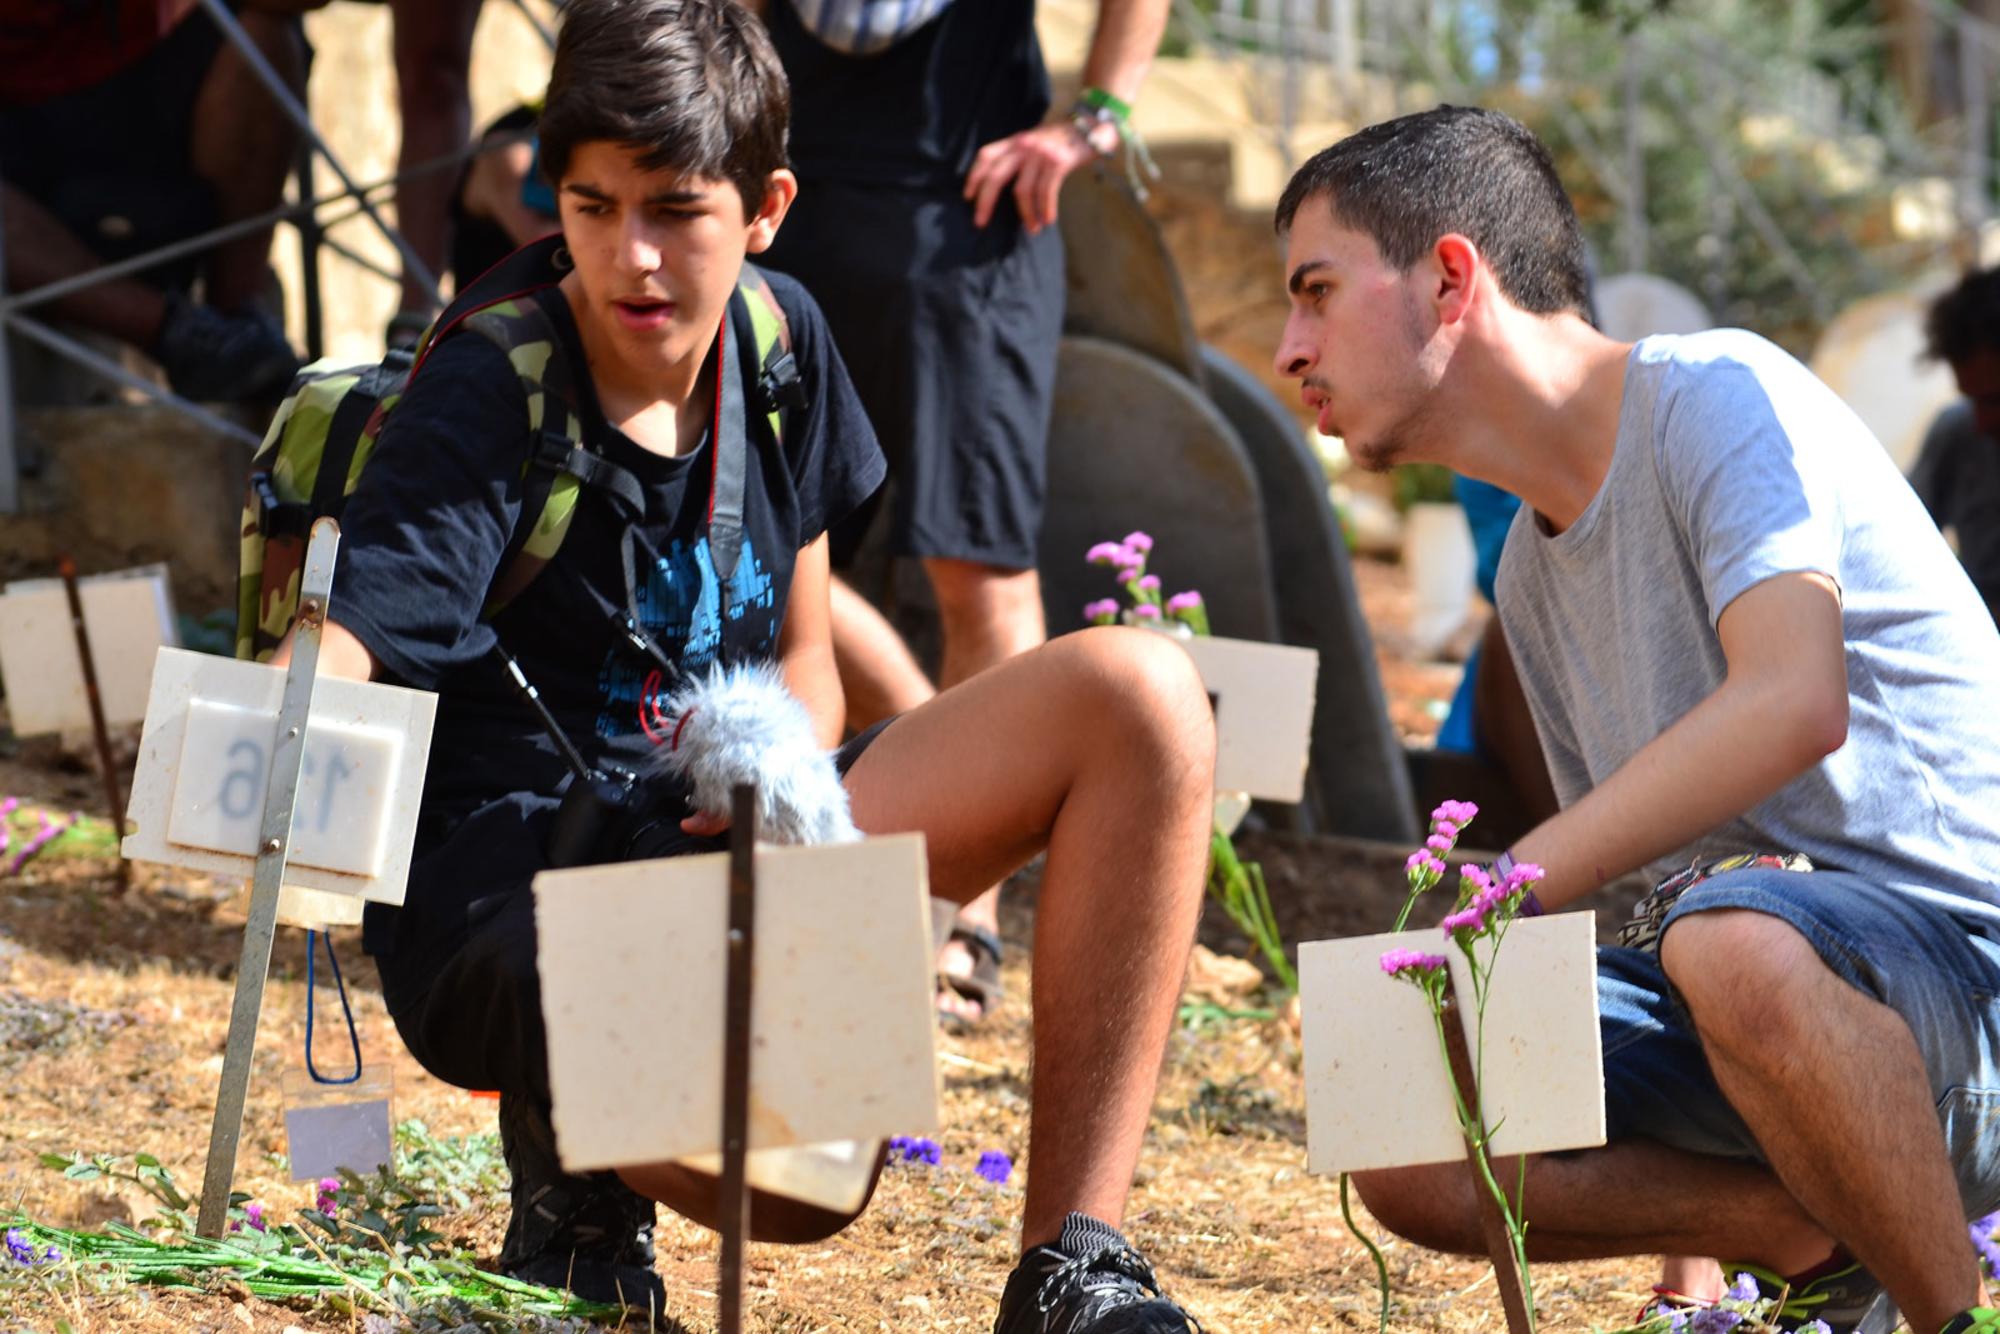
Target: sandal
pixel 982 985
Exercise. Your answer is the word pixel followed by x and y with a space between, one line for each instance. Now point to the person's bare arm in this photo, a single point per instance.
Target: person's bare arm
pixel 1779 711
pixel 805 644
pixel 1036 161
pixel 340 653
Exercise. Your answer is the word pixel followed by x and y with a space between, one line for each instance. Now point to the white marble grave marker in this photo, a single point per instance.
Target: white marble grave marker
pixel 633 959
pixel 1378 1089
pixel 1264 696
pixel 204 759
pixel 128 615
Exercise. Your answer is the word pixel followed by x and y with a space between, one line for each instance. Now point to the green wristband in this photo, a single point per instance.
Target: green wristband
pixel 1100 100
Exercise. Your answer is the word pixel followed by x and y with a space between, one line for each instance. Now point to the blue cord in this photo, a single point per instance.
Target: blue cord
pixel 353 1038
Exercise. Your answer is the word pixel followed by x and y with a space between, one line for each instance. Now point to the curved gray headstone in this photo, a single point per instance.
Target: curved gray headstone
pixel 1134 445
pixel 1359 783
pixel 1122 284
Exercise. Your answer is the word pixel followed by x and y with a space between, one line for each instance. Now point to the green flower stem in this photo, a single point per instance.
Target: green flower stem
pixel 1475 1135
pixel 1374 1251
pixel 1240 889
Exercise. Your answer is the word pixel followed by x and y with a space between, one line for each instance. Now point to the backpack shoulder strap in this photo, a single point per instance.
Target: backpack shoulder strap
pixel 501 306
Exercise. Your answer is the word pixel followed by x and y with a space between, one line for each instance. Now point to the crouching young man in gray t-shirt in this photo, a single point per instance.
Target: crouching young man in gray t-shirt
pixel 1741 638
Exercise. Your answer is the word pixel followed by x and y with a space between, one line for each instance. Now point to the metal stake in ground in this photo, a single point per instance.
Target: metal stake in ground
pixel 1499 1245
pixel 274 839
pixel 733 1209
pixel 112 794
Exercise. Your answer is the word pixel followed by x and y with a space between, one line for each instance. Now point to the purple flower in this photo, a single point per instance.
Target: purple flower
pixel 1445 829
pixel 1469 918
pixel 1146 611
pixel 1438 843
pixel 1714 1320
pixel 1676 1320
pixel 995 1166
pixel 1458 812
pixel 1744 1289
pixel 1104 611
pixel 253 1214
pixel 19 1249
pixel 1131 574
pixel 1815 1327
pixel 1524 873
pixel 328 1197
pixel 915 1149
pixel 1476 877
pixel 1187 601
pixel 1398 962
pixel 1106 553
pixel 1149 583
pixel 1138 542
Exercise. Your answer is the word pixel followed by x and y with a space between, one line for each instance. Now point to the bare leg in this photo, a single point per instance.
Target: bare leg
pixel 41 250
pixel 877 673
pixel 989 615
pixel 1693 1276
pixel 1858 1159
pixel 1866 1156
pixel 1582 1206
pixel 433 42
pixel 1099 749
pixel 244 146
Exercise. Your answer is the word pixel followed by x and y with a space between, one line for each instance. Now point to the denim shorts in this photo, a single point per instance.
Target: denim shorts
pixel 1941 973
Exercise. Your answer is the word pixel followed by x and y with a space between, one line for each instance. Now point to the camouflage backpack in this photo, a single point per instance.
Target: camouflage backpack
pixel 326 428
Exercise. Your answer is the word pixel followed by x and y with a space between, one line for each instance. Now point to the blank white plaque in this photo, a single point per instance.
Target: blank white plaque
pixel 1378 1091
pixel 129 615
pixel 204 759
pixel 339 821
pixel 632 961
pixel 1264 696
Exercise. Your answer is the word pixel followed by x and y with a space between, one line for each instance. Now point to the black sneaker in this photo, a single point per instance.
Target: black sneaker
pixel 1847 1299
pixel 590 1235
pixel 1090 1282
pixel 216 358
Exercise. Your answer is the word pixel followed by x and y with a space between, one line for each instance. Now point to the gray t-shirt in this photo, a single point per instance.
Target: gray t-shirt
pixel 1734 464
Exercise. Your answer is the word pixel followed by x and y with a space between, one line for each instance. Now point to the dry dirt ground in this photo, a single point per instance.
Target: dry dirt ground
pixel 1222 1203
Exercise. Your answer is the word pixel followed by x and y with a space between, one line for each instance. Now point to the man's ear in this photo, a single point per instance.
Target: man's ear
pixel 1457 262
pixel 779 191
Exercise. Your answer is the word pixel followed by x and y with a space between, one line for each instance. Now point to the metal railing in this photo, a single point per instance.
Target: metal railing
pixel 362 201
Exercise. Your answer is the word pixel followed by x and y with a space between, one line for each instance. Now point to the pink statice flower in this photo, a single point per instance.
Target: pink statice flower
pixel 1472 917
pixel 1146 611
pixel 1458 812
pixel 1423 861
pixel 328 1196
pixel 1438 843
pixel 1522 875
pixel 1139 542
pixel 1187 601
pixel 1149 583
pixel 1104 611
pixel 1397 963
pixel 1106 553
pixel 1446 829
pixel 1131 574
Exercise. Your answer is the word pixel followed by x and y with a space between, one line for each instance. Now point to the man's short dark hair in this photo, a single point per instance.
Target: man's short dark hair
pixel 1408 181
pixel 692 86
pixel 1965 319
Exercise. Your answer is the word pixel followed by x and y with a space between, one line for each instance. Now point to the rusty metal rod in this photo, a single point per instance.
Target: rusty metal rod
pixel 1499 1245
pixel 105 764
pixel 734 1206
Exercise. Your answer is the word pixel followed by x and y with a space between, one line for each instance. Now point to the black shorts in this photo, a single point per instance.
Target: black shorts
pixel 949 333
pixel 469 1007
pixel 122 148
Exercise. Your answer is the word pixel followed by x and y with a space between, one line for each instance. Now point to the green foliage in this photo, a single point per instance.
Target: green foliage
pixel 1422 484
pixel 1239 887
pixel 374 1252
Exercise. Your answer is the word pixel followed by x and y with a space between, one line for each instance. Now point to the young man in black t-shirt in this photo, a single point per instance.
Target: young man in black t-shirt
pixel 664 134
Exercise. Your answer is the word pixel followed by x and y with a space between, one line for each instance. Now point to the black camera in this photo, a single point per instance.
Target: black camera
pixel 601 808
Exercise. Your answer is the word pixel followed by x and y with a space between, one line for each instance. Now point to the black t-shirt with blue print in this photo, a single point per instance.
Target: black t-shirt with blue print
pixel 424 536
